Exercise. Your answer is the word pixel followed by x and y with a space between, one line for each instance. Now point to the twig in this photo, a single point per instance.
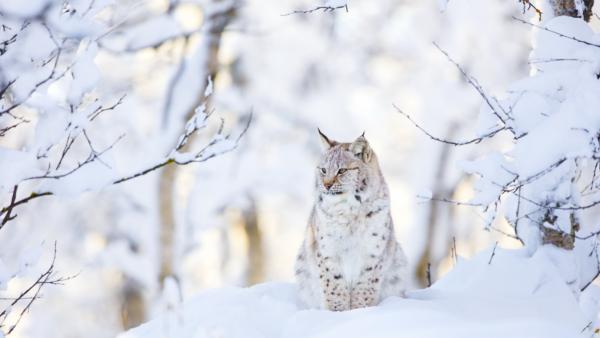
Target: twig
pixel 101 109
pixel 450 201
pixel 558 60
pixel 11 206
pixel 528 5
pixel 493 253
pixel 428 274
pixel 8 216
pixel 45 278
pixel 201 155
pixel 502 232
pixel 555 32
pixel 473 82
pixel 454 252
pixel 325 9
pixel 595 251
pixel 588 326
pixel 454 143
pixel 92 157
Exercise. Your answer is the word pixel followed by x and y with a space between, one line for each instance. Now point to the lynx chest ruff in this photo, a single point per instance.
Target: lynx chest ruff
pixel 342 233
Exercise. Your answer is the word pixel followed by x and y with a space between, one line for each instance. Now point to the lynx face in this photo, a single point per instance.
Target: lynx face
pixel 344 166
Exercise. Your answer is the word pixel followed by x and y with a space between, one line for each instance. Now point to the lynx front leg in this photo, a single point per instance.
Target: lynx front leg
pixel 336 292
pixel 367 288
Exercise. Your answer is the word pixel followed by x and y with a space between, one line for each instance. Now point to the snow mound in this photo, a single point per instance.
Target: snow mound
pixel 513 296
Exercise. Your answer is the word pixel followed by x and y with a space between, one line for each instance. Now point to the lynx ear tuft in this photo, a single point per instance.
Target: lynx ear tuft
pixel 361 149
pixel 327 143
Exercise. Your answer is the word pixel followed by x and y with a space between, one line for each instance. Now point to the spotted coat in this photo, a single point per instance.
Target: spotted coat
pixel 350 257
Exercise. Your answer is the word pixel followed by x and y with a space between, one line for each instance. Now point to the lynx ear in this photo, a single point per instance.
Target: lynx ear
pixel 327 143
pixel 361 149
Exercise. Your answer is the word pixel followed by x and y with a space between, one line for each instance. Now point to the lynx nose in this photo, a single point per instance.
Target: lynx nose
pixel 327 184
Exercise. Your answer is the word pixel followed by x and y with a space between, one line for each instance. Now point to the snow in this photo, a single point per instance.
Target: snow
pixel 16 165
pixel 84 72
pixel 377 53
pixel 492 165
pixel 23 9
pixel 152 32
pixel 425 194
pixel 514 295
pixel 552 119
pixel 336 3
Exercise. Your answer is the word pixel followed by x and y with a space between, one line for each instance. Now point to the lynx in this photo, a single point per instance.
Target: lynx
pixel 350 257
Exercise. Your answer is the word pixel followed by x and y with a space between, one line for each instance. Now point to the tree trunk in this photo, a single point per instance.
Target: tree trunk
pixel 133 306
pixel 572 8
pixel 256 267
pixel 559 238
pixel 424 266
pixel 215 26
pixel 243 230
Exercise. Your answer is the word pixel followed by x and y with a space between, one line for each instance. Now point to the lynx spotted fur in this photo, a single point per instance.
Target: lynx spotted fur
pixel 350 257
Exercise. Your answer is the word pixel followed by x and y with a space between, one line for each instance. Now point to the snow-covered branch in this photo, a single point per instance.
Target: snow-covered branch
pixel 49 76
pixel 22 302
pixel 219 144
pixel 547 180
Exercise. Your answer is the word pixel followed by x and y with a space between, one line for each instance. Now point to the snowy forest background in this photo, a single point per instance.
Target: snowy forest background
pixel 153 149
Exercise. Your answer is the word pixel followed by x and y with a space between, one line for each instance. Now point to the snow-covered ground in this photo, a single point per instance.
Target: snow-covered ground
pixel 512 296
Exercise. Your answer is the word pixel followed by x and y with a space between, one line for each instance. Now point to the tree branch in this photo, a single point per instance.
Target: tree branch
pixel 324 9
pixel 556 33
pixel 454 143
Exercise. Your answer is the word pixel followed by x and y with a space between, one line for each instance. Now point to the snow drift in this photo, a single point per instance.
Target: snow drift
pixel 512 295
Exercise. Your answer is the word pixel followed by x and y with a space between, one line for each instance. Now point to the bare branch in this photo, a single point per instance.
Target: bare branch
pixel 488 100
pixel 323 9
pixel 537 61
pixel 6 129
pixel 445 200
pixel 7 216
pixel 504 233
pixel 493 253
pixel 454 143
pixel 31 293
pixel 527 5
pixel 102 109
pixel 556 33
pixel 11 206
pixel 92 157
pixel 594 252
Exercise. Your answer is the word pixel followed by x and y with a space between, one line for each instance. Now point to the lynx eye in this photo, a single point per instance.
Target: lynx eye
pixel 341 171
pixel 323 171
